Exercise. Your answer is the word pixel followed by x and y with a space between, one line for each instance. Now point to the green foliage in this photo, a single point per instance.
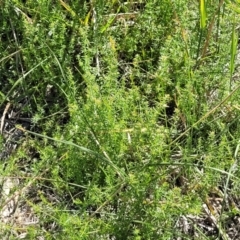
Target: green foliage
pixel 125 134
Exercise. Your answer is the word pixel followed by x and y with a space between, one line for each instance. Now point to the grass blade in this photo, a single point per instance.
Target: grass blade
pixel 233 51
pixel 83 149
pixel 203 14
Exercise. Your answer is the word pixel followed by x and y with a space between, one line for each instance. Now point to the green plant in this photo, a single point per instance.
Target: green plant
pixel 125 118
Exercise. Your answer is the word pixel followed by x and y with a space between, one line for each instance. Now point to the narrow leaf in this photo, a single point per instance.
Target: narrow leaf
pixel 203 14
pixel 233 49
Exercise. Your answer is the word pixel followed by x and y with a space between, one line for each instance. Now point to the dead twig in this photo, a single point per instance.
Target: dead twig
pixel 4 116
